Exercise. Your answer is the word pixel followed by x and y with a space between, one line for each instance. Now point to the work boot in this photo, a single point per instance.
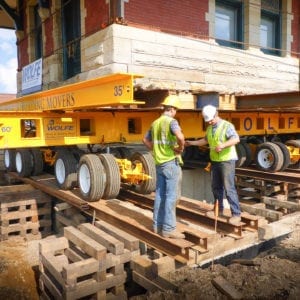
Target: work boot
pixel 235 220
pixel 173 234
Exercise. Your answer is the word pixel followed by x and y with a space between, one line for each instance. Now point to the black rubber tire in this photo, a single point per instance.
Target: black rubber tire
pixel 113 178
pixel 10 160
pixel 37 162
pixel 296 144
pixel 286 155
pixel 241 153
pixel 91 177
pixel 23 162
pixel 77 153
pixel 269 157
pixel 65 170
pixel 248 153
pixel 146 186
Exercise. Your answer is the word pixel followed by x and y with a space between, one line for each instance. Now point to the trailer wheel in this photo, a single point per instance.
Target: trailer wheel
pixel 91 177
pixel 65 170
pixel 241 153
pixel 296 144
pixel 269 157
pixel 145 186
pixel 113 178
pixel 10 160
pixel 248 153
pixel 286 155
pixel 37 162
pixel 24 162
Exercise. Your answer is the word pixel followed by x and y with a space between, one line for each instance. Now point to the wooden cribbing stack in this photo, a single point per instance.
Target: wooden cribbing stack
pixel 86 262
pixel 24 212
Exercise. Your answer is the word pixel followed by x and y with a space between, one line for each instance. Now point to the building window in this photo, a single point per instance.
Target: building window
pixel 38 34
pixel 71 38
pixel 229 23
pixel 270 27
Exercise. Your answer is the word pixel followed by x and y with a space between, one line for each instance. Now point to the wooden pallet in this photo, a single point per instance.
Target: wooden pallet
pixel 257 188
pixel 85 262
pixel 26 214
pixel 267 199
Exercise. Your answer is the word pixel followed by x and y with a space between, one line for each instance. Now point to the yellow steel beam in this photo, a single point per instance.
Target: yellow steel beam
pixel 246 123
pixel 111 90
pixel 128 126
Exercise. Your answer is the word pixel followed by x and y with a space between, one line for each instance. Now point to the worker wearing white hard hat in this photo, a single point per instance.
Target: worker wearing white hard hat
pixel 209 112
pixel 221 137
pixel 166 141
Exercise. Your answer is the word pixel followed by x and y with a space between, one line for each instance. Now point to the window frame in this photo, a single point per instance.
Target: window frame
pixel 276 17
pixel 38 33
pixel 238 8
pixel 71 38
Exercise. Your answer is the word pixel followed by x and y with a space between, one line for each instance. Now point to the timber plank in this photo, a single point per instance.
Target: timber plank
pixel 87 244
pixel 267 213
pixel 283 204
pixel 226 288
pixel 71 272
pixel 53 245
pixel 112 244
pixel 18 188
pixel 130 242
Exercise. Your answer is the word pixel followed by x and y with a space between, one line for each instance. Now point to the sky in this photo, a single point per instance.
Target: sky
pixel 8 61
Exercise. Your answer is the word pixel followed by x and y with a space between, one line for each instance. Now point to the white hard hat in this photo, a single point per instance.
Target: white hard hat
pixel 209 112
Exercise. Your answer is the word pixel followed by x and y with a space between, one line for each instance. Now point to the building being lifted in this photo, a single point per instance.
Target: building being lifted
pixel 91 78
pixel 231 47
pixel 242 56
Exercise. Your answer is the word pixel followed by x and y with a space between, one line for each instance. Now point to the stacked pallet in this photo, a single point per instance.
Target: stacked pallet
pixel 24 212
pixel 257 189
pixel 88 261
pixel 270 200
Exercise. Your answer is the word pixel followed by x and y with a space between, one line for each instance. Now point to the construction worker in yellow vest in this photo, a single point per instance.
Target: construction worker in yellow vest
pixel 221 137
pixel 166 141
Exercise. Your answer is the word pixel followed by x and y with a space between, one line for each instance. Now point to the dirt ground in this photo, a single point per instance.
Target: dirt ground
pixel 275 274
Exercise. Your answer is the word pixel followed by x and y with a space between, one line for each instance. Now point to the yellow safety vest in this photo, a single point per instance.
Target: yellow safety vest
pixel 217 138
pixel 163 140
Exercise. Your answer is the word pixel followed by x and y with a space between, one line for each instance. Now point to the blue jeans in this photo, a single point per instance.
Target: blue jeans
pixel 223 184
pixel 164 211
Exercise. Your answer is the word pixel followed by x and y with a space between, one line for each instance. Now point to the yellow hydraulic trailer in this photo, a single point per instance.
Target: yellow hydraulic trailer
pixel 91 133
